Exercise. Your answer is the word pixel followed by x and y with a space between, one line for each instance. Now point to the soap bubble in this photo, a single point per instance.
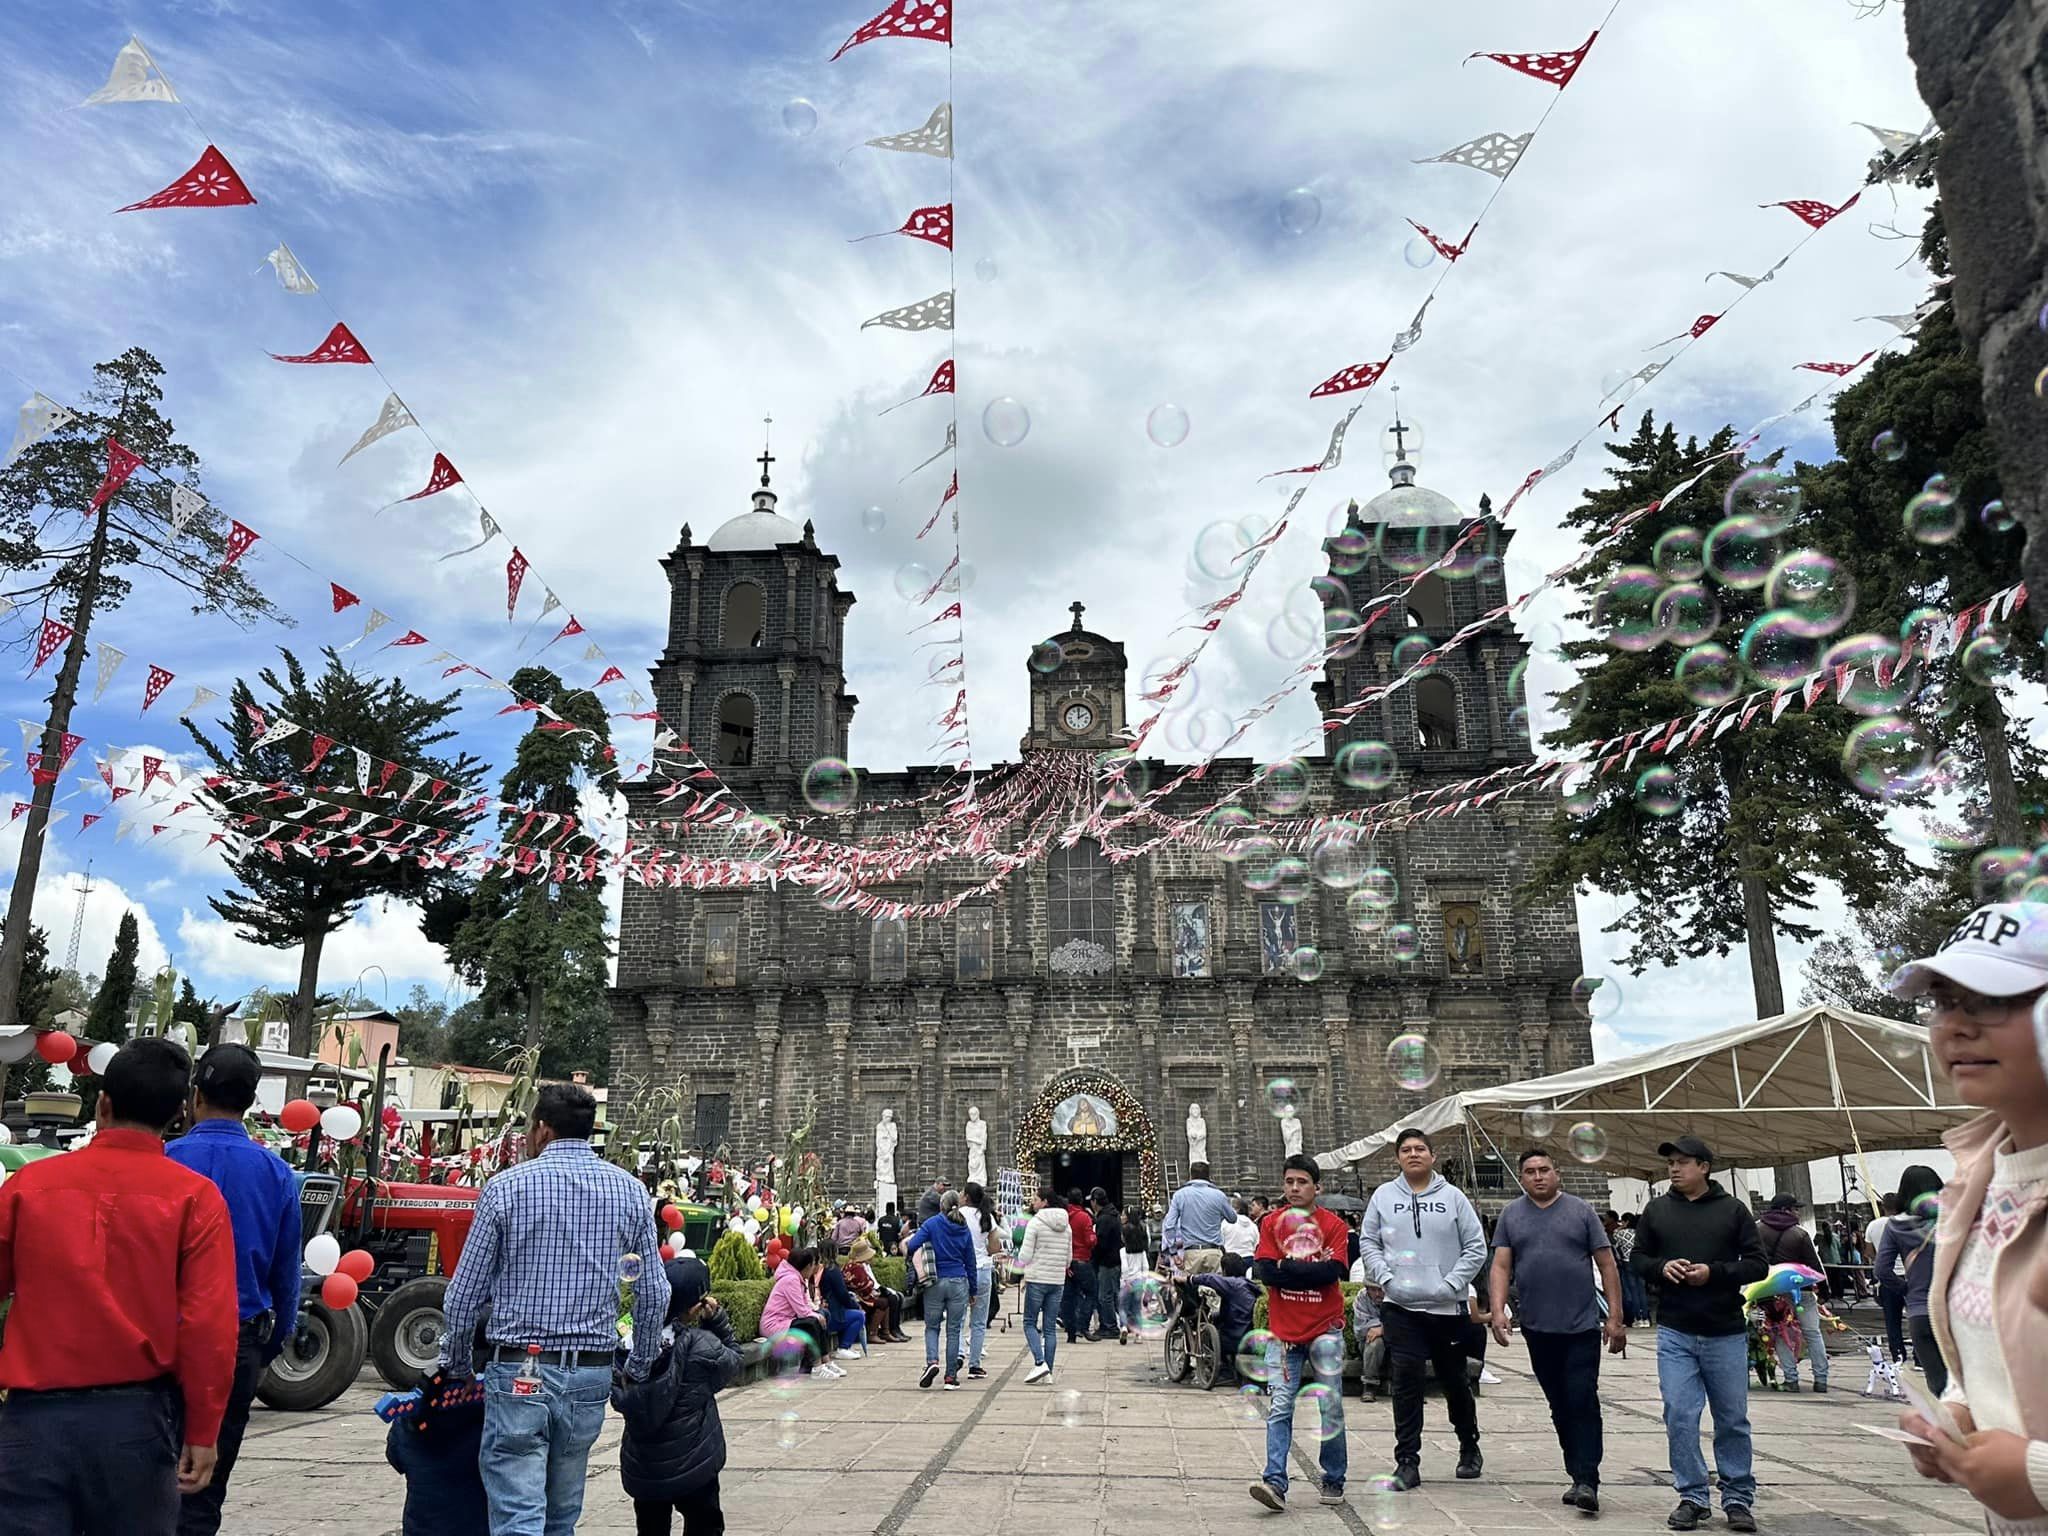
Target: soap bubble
pixel 1296 1234
pixel 1657 792
pixel 1934 516
pixel 1597 997
pixel 1326 1354
pixel 1248 1405
pixel 1579 793
pixel 1229 822
pixel 1348 552
pixel 1866 694
pixel 912 581
pixel 1259 858
pixel 1185 687
pixel 986 269
pixel 1740 552
pixel 1538 1122
pixel 1305 964
pixel 1385 1501
pixel 785 1361
pixel 1254 1358
pixel 1338 862
pixel 1776 651
pixel 1405 940
pixel 1284 787
pixel 1280 1095
pixel 1203 730
pixel 1167 426
pixel 1410 650
pixel 799 118
pixel 1300 211
pixel 1291 883
pixel 1680 554
pixel 1405 542
pixel 1319 1397
pixel 959 579
pixel 1368 765
pixel 1378 888
pixel 1889 446
pixel 1586 1142
pixel 1813 590
pixel 1987 659
pixel 786 1435
pixel 1709 674
pixel 831 785
pixel 1886 757
pixel 873 519
pixel 1418 252
pixel 1626 609
pixel 1364 915
pixel 630 1268
pixel 1218 550
pixel 1146 1305
pixel 1771 496
pixel 1412 1062
pixel 1068 1404
pixel 1005 422
pixel 1687 613
pixel 1047 656
pixel 1342 633
pixel 1995 518
pixel 1292 637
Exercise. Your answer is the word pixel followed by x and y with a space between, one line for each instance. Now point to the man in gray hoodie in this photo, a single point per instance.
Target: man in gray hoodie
pixel 1422 1246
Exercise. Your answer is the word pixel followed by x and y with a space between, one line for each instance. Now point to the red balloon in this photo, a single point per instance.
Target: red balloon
pixel 338 1291
pixel 772 1260
pixel 673 1217
pixel 56 1047
pixel 357 1264
pixel 299 1116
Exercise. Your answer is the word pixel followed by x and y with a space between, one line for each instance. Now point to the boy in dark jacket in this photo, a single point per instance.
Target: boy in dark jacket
pixel 434 1443
pixel 1236 1299
pixel 674 1446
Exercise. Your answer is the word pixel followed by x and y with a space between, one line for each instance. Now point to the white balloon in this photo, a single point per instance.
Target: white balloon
pixel 342 1121
pixel 686 1253
pixel 323 1253
pixel 97 1058
pixel 16 1047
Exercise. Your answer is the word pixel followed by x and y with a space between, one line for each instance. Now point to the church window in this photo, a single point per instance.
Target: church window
pixel 736 730
pixel 1276 936
pixel 974 942
pixel 889 949
pixel 741 628
pixel 1436 715
pixel 713 1120
pixel 1429 606
pixel 1191 938
pixel 1080 908
pixel 722 949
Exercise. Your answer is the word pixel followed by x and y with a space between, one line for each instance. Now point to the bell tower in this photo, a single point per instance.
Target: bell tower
pixel 1077 691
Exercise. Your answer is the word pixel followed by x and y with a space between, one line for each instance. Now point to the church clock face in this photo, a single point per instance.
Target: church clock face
pixel 1077 718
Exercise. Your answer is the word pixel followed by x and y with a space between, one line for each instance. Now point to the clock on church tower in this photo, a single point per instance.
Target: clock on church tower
pixel 1077 691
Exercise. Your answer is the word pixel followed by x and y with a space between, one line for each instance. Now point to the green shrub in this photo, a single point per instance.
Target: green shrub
pixel 733 1258
pixel 743 1301
pixel 892 1273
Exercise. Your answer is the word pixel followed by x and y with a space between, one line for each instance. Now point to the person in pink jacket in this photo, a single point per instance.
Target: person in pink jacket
pixel 789 1314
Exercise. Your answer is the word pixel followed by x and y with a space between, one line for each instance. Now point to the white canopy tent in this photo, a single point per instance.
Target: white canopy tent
pixel 1817 1082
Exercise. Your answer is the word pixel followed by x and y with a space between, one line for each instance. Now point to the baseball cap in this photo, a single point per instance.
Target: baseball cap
pixel 1786 1202
pixel 1687 1146
pixel 227 1072
pixel 1999 950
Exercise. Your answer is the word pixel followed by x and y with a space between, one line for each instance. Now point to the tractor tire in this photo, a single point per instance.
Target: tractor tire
pixel 320 1363
pixel 405 1334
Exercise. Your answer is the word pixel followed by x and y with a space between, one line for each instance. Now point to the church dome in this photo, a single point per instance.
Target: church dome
pixel 760 527
pixel 1404 504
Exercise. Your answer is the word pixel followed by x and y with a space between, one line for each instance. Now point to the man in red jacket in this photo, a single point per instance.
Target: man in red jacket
pixel 1080 1273
pixel 121 1341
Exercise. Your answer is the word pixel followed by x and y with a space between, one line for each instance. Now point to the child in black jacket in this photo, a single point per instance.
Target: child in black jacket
pixel 674 1445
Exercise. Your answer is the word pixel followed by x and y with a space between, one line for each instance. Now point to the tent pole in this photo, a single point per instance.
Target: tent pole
pixel 1827 1026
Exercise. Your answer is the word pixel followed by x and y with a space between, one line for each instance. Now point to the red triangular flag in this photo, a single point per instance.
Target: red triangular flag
pixel 1837 369
pixel 52 636
pixel 87 820
pixel 343 598
pixel 941 384
pixel 515 573
pixel 952 490
pixel 211 183
pixel 340 346
pixel 1357 376
pixel 240 537
pixel 443 475
pixel 19 807
pixel 153 690
pixel 151 767
pixel 611 675
pixel 1557 68
pixel 71 744
pixel 120 465
pixel 119 792
pixel 1447 251
pixel 928 19
pixel 1811 210
pixel 322 745
pixel 410 637
pixel 934 224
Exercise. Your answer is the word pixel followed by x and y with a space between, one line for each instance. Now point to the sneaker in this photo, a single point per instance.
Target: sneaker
pixel 1739 1517
pixel 1487 1378
pixel 1788 1386
pixel 952 1384
pixel 1330 1493
pixel 1266 1494
pixel 1687 1516
pixel 931 1374
pixel 1407 1474
pixel 1571 1494
pixel 959 1364
pixel 976 1372
pixel 1820 1386
pixel 1587 1497
pixel 1038 1373
pixel 1470 1463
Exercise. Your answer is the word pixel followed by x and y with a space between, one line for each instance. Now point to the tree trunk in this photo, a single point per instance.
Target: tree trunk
pixel 536 1018
pixel 21 900
pixel 299 1036
pixel 2006 829
pixel 1762 927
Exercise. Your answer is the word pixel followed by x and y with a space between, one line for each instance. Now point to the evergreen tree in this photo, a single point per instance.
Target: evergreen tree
pixel 199 1013
pixel 289 900
pixel 1722 843
pixel 532 941
pixel 37 1002
pixel 115 1000
pixel 422 1027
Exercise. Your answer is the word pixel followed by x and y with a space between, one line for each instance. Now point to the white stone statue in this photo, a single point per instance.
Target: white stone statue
pixel 1198 1136
pixel 977 1148
pixel 886 1132
pixel 1290 1129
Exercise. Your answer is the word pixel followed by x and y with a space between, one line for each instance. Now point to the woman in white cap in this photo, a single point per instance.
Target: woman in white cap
pixel 1978 994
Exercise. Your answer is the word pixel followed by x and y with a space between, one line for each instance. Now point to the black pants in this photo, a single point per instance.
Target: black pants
pixel 90 1463
pixel 1927 1354
pixel 1416 1341
pixel 700 1512
pixel 1567 1367
pixel 199 1513
pixel 815 1333
pixel 1893 1300
pixel 1108 1283
pixel 1077 1306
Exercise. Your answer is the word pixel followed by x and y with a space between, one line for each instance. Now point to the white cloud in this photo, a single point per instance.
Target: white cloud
pixel 385 933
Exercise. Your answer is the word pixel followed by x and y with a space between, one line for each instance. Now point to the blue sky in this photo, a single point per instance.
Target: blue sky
pixel 586 249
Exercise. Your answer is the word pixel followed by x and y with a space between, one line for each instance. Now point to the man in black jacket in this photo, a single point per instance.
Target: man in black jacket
pixel 1109 1263
pixel 1699 1247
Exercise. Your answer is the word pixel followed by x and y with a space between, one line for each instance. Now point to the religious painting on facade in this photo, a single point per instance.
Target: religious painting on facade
pixel 1191 938
pixel 889 949
pixel 1464 943
pixel 1277 941
pixel 974 943
pixel 722 949
pixel 1083 1115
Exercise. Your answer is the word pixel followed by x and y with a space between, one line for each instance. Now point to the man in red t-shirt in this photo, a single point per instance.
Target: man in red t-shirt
pixel 1300 1260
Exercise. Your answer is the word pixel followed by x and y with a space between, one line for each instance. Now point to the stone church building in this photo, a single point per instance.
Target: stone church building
pixel 1086 1004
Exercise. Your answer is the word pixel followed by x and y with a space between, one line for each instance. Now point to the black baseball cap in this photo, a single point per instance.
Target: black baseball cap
pixel 1687 1146
pixel 228 1073
pixel 1786 1202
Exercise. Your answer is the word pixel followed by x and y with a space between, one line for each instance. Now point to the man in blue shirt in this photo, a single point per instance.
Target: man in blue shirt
pixel 263 1211
pixel 1194 1223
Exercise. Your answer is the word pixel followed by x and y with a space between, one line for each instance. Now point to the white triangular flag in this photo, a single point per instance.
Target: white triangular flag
pixel 377 620
pixel 40 416
pixel 1899 323
pixel 122 829
pixel 279 730
pixel 487 525
pixel 1895 141
pixel 201 696
pixel 412 785
pixel 932 314
pixel 362 769
pixel 592 651
pixel 186 504
pixel 134 77
pixel 553 602
pixel 31 733
pixel 935 138
pixel 1413 334
pixel 395 416
pixel 1493 153
pixel 952 442
pixel 291 273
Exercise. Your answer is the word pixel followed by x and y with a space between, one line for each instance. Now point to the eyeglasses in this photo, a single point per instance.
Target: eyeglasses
pixel 1971 1005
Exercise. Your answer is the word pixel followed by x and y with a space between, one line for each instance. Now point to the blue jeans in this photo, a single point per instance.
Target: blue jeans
pixel 1041 1320
pixel 947 1301
pixel 977 1319
pixel 1695 1371
pixel 1807 1315
pixel 536 1445
pixel 1285 1364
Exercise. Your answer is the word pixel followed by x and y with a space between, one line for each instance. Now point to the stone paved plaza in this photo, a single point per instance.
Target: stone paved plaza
pixel 1111 1448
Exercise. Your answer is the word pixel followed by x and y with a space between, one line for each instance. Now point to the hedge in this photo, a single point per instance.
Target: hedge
pixel 743 1301
pixel 1350 1294
pixel 892 1273
pixel 734 1258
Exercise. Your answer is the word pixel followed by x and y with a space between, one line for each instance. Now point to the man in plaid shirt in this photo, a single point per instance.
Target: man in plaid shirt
pixel 544 1254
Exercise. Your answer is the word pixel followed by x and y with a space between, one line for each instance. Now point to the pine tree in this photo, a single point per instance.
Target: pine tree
pixel 1723 843
pixel 115 1000
pixel 75 559
pixel 37 1011
pixel 289 900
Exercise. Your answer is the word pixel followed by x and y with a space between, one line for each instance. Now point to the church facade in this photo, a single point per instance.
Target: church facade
pixel 1104 1016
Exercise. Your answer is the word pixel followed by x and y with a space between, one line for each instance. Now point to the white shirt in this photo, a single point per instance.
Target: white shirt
pixel 1241 1235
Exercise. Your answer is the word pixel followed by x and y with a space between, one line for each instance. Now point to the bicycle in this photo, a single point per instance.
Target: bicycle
pixel 1194 1344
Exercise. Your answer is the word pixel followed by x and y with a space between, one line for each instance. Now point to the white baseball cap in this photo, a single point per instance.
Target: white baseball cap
pixel 2000 950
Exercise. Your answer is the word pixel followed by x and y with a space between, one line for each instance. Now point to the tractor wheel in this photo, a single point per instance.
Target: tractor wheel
pixel 405 1335
pixel 321 1361
pixel 1208 1358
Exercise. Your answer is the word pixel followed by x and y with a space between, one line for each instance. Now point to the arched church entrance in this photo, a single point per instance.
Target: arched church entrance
pixel 1085 1129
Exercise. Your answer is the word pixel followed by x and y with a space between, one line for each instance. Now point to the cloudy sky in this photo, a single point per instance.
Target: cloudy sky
pixel 588 248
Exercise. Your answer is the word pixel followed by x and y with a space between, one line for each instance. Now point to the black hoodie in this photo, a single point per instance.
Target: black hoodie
pixel 1715 1230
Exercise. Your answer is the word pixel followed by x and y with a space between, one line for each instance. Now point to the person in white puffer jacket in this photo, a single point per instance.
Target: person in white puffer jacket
pixel 1042 1258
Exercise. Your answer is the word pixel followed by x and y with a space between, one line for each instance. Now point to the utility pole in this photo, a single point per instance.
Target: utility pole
pixel 78 921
